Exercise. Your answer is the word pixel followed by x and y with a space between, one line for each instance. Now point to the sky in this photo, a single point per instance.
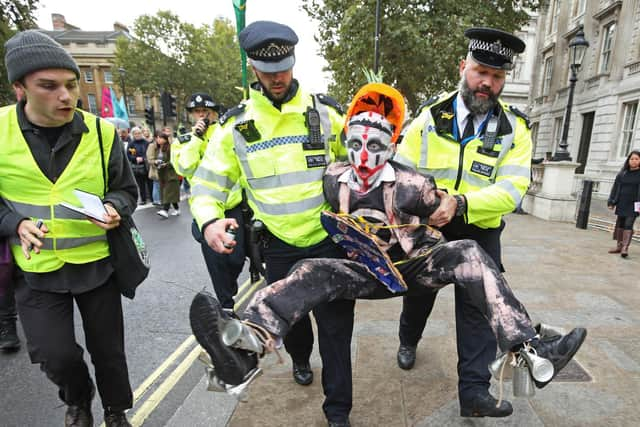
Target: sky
pixel 93 15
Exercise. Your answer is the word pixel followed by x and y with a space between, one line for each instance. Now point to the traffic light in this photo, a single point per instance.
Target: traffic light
pixel 149 116
pixel 172 106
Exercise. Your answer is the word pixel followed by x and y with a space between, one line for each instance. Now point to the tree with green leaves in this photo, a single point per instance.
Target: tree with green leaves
pixel 169 55
pixel 15 15
pixel 421 41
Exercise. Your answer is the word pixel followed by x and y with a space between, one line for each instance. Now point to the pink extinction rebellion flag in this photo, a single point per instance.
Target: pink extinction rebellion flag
pixel 107 104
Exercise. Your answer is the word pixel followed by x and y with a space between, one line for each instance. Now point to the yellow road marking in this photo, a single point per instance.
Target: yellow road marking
pixel 154 400
pixel 248 293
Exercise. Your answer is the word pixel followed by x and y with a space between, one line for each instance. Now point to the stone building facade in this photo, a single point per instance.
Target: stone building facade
pixel 604 123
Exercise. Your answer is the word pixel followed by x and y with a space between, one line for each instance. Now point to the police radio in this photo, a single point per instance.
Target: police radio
pixel 312 120
pixel 199 132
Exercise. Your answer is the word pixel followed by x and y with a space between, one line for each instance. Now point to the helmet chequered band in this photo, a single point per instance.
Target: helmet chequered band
pixel 495 47
pixel 272 50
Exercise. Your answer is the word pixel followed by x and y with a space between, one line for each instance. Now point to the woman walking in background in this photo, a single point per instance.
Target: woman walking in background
pixel 168 178
pixel 625 198
pixel 137 156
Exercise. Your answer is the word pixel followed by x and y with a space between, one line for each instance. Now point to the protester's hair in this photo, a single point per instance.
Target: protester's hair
pixel 136 129
pixel 625 167
pixel 159 133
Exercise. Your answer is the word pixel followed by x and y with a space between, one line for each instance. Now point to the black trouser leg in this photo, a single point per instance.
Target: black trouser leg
pixel 8 303
pixel 47 320
pixel 224 269
pixel 141 181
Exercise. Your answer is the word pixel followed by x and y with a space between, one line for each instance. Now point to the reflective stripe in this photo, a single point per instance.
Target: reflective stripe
pixel 288 208
pixel 286 179
pixel 63 213
pixel 325 123
pixel 64 243
pixel 425 140
pixel 202 190
pixel 276 142
pixel 507 141
pixel 514 170
pixel 32 211
pixel 509 188
pixel 209 176
pixel 451 174
pixel 188 171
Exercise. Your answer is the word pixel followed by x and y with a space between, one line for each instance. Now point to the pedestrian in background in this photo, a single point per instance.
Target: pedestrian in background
pixel 625 199
pixel 167 176
pixel 152 153
pixel 137 155
pixel 44 133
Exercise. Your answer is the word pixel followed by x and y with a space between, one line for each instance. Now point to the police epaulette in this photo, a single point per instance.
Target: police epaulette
pixel 231 112
pixel 426 103
pixel 327 100
pixel 520 114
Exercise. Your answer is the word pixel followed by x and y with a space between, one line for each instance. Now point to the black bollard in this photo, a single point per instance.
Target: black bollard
pixel 585 204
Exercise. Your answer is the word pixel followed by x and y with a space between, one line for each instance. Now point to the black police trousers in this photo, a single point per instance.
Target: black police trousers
pixel 224 269
pixel 475 341
pixel 47 320
pixel 8 304
pixel 333 319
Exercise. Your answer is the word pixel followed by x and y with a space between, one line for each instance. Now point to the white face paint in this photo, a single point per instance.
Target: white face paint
pixel 369 147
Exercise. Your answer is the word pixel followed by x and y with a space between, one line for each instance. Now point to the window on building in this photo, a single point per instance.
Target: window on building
pixel 147 101
pixel 93 104
pixel 554 14
pixel 108 76
pixel 608 39
pixel 578 7
pixel 629 115
pixel 546 75
pixel 88 76
pixel 557 132
pixel 131 104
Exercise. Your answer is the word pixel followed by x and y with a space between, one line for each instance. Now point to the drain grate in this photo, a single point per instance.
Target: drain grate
pixel 573 373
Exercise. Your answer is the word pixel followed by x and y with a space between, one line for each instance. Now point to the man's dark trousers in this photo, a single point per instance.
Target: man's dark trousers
pixel 476 343
pixel 334 321
pixel 47 320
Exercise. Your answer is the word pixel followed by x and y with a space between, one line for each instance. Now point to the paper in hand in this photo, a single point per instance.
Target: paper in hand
pixel 91 205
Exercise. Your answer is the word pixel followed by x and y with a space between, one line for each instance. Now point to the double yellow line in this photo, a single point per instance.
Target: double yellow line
pixel 151 403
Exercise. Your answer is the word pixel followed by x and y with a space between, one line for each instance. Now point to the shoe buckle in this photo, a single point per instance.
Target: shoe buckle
pixel 240 391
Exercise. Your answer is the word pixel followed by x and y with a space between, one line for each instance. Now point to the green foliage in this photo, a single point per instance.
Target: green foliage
pixel 167 54
pixel 15 15
pixel 421 41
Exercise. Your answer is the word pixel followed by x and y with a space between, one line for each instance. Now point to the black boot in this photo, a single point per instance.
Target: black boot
pixel 559 350
pixel 302 373
pixel 232 365
pixel 406 356
pixel 626 241
pixel 9 340
pixel 115 419
pixel 484 405
pixel 80 415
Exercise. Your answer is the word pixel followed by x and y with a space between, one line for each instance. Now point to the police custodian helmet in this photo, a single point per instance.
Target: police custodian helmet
pixel 202 100
pixel 269 46
pixel 493 48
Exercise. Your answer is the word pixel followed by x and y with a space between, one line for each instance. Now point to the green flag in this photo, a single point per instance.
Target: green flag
pixel 240 9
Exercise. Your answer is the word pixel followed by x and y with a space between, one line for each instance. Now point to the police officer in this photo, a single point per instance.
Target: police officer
pixel 186 154
pixel 277 146
pixel 49 148
pixel 478 148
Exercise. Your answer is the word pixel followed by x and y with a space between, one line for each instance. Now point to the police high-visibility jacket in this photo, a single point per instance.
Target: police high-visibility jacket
pixel 25 189
pixel 492 180
pixel 267 151
pixel 187 152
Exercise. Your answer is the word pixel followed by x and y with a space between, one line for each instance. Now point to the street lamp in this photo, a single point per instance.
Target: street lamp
pixel 123 73
pixel 577 48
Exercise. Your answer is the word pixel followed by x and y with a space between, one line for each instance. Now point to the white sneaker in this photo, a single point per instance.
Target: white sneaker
pixel 175 212
pixel 163 213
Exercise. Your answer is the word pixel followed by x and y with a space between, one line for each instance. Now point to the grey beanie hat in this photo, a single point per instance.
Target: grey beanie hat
pixel 31 50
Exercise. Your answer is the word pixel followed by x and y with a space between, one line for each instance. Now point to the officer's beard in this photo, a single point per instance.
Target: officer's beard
pixel 478 106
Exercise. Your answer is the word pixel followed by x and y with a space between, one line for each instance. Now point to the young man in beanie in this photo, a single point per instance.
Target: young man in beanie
pixel 63 257
pixel 276 146
pixel 478 148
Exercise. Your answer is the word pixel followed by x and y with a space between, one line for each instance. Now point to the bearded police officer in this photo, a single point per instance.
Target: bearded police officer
pixel 49 148
pixel 478 149
pixel 277 145
pixel 186 154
